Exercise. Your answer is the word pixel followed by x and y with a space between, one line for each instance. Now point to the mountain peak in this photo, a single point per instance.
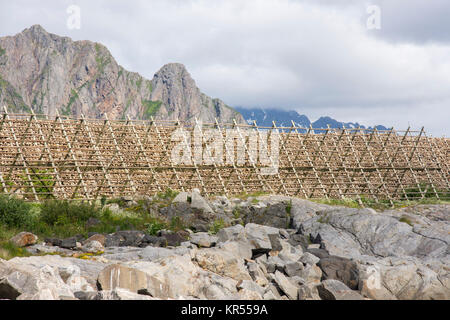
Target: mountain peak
pixel 173 66
pixel 82 77
pixel 174 71
pixel 36 30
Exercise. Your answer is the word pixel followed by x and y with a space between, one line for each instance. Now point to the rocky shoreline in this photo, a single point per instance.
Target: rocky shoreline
pixel 268 247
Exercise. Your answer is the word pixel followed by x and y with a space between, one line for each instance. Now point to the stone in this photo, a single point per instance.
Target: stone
pixel 309 259
pixel 96 237
pixel 246 294
pixel 28 283
pixel 152 253
pixel 258 237
pixel 182 278
pixel 275 241
pixel 336 290
pixel 319 253
pixel 250 285
pixel 93 247
pixel 231 233
pixel 311 274
pixel 198 202
pixel 275 263
pixel 308 292
pixel 118 254
pixel 181 197
pixel 69 243
pixel 86 295
pixel 284 234
pixel 154 241
pixel 274 289
pixel 405 278
pixel 120 276
pixel 240 249
pixel 120 294
pixel 353 233
pixel 24 239
pixel 269 296
pixel 8 290
pixel 258 273
pixel 78 283
pixel 37 249
pixel 286 286
pixel 131 238
pixel 303 210
pixel 66 267
pixel 175 239
pixel 219 288
pixel 293 268
pixel 341 269
pixel 269 211
pixel 53 242
pixel 204 240
pixel 222 262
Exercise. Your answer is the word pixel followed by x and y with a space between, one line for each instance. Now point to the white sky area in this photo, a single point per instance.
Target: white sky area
pixel 316 57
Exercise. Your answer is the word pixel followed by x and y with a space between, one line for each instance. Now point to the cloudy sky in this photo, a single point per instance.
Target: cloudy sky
pixel 315 56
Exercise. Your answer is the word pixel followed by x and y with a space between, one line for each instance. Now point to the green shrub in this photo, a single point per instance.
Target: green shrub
pixel 154 227
pixel 9 250
pixel 169 194
pixel 15 213
pixel 217 226
pixel 176 224
pixel 59 212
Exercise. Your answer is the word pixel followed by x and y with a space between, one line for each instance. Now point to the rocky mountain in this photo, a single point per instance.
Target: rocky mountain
pixel 264 117
pixel 46 72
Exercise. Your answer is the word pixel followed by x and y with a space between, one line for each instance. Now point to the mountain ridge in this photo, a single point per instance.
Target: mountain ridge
pixel 282 118
pixel 46 72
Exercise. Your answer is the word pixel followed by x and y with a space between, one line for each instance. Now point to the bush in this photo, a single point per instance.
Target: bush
pixel 9 250
pixel 15 213
pixel 217 226
pixel 58 212
pixel 154 227
pixel 169 194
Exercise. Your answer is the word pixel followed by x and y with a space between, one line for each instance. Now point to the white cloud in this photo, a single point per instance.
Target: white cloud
pixel 310 56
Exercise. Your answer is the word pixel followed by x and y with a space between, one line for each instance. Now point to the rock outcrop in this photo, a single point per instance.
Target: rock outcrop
pixel 324 252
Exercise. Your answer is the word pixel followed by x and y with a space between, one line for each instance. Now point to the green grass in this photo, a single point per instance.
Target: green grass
pixel 151 108
pixel 380 205
pixel 63 219
pixel 155 226
pixel 216 226
pixel 9 250
pixel 139 83
pixel 169 194
pixel 289 208
pixel 101 59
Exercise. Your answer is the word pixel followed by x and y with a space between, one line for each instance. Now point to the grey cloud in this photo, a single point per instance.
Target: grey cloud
pixel 313 56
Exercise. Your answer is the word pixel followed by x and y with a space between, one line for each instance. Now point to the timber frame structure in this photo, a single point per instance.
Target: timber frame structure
pixel 45 157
